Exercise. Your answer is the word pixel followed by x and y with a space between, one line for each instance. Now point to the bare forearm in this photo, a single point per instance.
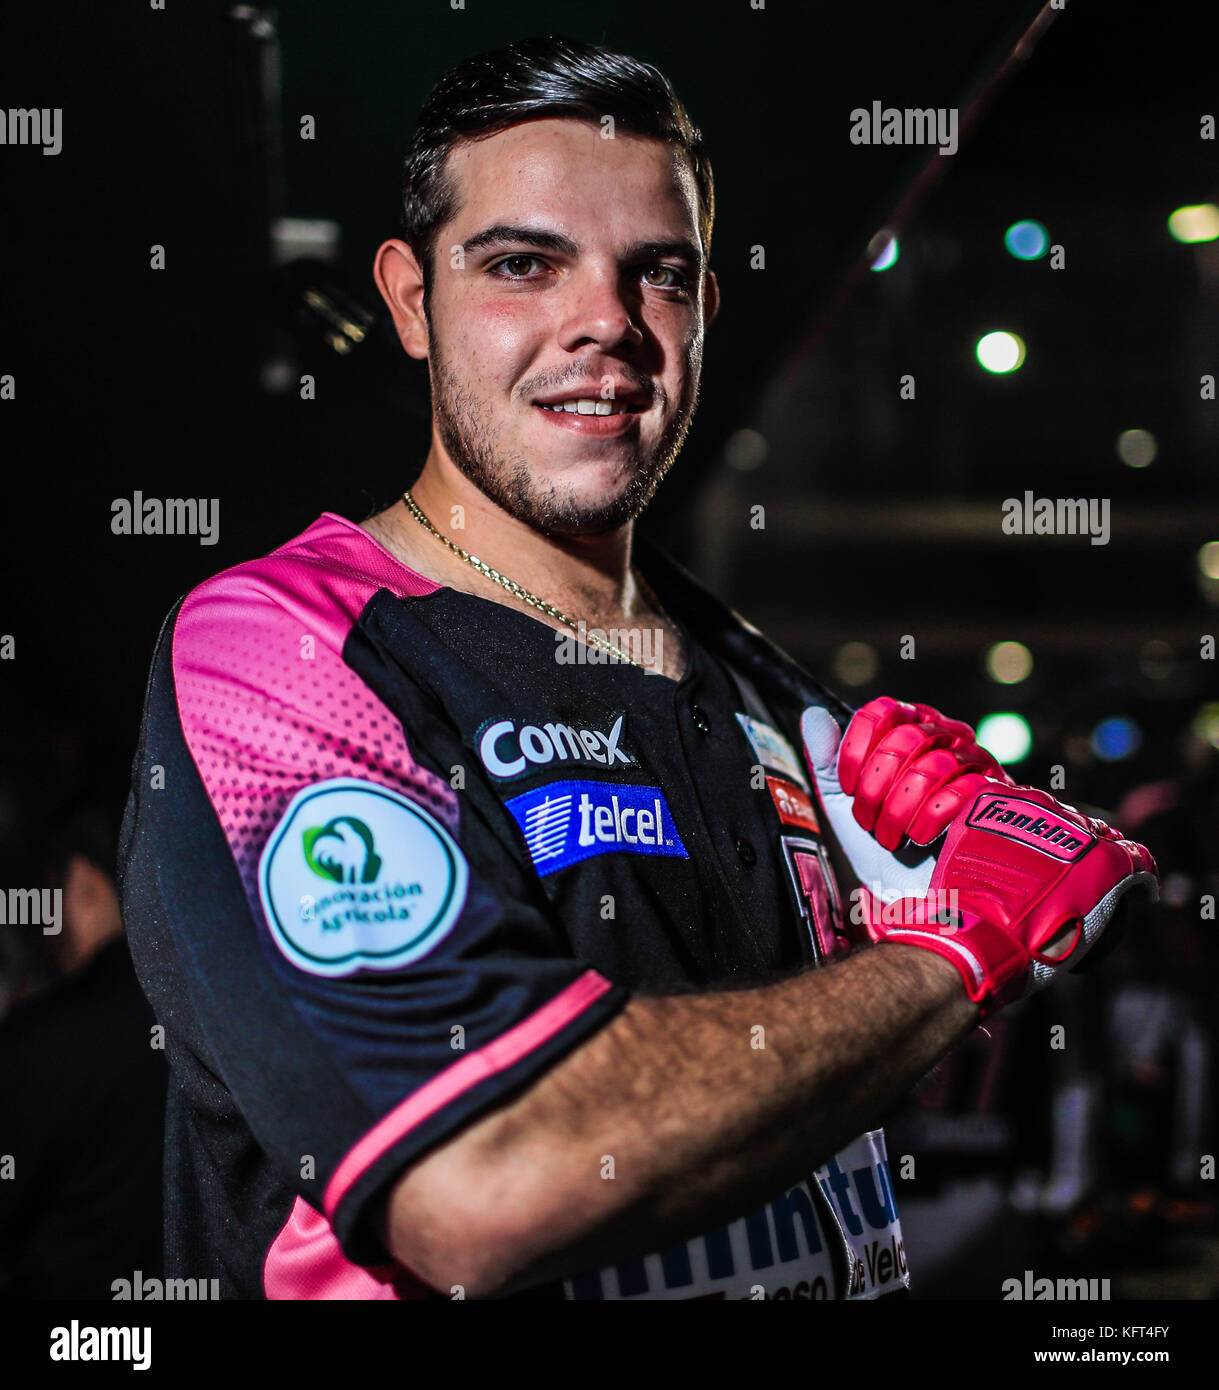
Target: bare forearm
pixel 686 1111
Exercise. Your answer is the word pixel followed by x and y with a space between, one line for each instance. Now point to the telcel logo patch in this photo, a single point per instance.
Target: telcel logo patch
pixel 565 822
pixel 506 751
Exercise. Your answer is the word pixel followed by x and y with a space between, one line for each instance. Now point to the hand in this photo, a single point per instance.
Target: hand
pixel 1023 885
pixel 910 770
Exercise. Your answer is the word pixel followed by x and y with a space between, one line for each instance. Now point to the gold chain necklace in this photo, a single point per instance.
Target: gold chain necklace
pixel 519 591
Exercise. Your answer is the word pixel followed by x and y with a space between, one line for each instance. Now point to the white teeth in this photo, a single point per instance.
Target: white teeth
pixel 587 406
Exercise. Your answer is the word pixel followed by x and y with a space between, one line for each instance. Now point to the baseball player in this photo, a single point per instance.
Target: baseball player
pixel 523 923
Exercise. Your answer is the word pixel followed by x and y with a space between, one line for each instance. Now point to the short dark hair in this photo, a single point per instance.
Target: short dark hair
pixel 529 80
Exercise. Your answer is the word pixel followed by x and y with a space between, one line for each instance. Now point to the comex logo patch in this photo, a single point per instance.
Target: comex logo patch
pixel 507 751
pixel 566 822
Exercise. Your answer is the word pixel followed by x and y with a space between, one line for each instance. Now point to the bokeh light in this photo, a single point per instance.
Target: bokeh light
pixel 1027 240
pixel 745 450
pixel 1007 736
pixel 1208 559
pixel 1157 659
pixel 856 663
pixel 1137 448
pixel 1000 352
pixel 1116 738
pixel 1206 723
pixel 1197 222
pixel 884 250
pixel 1009 662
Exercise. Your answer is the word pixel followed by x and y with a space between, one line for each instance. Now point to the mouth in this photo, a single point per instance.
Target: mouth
pixel 593 416
pixel 588 405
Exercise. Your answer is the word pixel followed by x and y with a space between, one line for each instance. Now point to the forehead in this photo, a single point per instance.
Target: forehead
pixel 564 173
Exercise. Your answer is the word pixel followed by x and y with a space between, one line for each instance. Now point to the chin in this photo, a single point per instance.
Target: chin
pixel 586 517
pixel 586 487
pixel 593 512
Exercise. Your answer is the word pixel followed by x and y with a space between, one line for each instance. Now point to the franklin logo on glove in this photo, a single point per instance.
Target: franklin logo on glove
pixel 1006 815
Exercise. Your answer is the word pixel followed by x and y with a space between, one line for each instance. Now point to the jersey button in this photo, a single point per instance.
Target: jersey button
pixel 701 722
pixel 745 850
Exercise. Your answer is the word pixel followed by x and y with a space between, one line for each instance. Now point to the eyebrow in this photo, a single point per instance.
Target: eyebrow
pixel 544 239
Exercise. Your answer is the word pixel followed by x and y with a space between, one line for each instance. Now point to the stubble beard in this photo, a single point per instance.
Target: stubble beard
pixel 465 428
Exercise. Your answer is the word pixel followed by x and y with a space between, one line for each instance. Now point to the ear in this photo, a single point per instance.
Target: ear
pixel 82 882
pixel 711 297
pixel 400 280
pixel 89 893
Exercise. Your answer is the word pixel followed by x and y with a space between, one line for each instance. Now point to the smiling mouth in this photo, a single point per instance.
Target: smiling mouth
pixel 590 406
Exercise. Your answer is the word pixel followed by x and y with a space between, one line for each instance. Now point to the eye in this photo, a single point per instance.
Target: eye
pixel 515 267
pixel 677 280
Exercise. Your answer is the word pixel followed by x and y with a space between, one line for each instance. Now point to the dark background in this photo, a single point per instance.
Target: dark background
pixel 882 515
pixel 128 378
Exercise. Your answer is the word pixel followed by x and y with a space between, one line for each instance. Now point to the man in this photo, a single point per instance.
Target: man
pixel 82 1093
pixel 483 880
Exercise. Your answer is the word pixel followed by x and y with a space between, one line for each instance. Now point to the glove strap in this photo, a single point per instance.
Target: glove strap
pixel 992 964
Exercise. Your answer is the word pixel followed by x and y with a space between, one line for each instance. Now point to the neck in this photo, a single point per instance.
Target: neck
pixel 588 578
pixel 590 573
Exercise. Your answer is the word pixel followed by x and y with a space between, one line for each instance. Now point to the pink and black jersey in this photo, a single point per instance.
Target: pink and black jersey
pixel 392 851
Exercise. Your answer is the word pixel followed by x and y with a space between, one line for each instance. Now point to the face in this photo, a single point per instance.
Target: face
pixel 565 347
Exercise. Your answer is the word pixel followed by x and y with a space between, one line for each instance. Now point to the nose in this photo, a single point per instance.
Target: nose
pixel 598 313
